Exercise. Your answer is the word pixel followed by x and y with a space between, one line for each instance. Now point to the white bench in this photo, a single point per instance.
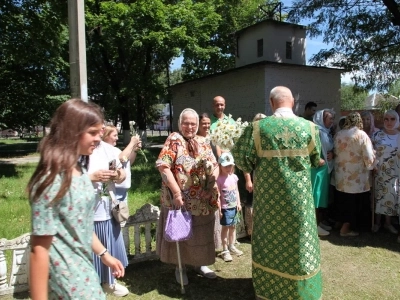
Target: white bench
pixel 145 219
pixel 18 274
pixel 15 280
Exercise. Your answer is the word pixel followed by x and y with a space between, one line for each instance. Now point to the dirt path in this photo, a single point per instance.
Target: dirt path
pixel 19 160
pixel 35 159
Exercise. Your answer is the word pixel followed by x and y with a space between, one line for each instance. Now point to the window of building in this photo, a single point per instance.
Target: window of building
pixel 289 48
pixel 260 48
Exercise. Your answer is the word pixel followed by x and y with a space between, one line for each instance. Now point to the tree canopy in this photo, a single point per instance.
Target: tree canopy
pixel 130 45
pixel 365 36
pixel 352 97
pixel 33 66
pixel 219 45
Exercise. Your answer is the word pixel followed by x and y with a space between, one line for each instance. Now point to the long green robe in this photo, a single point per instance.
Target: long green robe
pixel 285 244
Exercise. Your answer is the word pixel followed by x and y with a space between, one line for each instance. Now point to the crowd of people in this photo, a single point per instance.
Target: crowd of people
pixel 362 172
pixel 303 178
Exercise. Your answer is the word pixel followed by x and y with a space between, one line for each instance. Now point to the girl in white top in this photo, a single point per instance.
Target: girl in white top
pixel 107 228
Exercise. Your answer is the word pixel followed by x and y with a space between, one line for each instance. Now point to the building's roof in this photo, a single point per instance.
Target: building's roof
pixel 269 21
pixel 373 100
pixel 257 65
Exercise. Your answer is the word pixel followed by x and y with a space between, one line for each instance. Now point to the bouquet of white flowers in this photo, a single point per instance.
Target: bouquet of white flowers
pixel 227 133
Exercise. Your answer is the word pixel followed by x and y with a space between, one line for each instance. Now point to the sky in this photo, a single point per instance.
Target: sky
pixel 313 47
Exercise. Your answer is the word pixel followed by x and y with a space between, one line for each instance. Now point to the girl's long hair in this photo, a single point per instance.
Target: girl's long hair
pixel 59 150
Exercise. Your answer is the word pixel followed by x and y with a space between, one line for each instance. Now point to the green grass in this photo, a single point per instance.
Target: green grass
pixel 14 203
pixel 146 181
pixel 360 268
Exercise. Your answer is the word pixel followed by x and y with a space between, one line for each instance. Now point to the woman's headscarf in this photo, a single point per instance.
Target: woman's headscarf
pixel 372 128
pixel 392 113
pixel 325 136
pixel 193 147
pixel 187 111
pixel 353 120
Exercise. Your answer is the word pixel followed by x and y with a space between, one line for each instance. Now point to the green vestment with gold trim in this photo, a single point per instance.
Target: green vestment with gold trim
pixel 285 243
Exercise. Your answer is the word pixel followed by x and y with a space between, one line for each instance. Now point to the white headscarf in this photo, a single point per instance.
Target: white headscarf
pixel 325 136
pixel 187 111
pixel 392 113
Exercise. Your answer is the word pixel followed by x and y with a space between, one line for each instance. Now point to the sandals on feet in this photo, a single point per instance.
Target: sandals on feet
pixel 206 272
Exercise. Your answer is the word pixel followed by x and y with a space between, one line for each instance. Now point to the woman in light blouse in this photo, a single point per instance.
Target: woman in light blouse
pixel 354 158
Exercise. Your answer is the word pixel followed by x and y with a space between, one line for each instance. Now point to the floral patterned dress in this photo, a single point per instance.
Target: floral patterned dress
pixel 70 222
pixel 387 177
pixel 192 174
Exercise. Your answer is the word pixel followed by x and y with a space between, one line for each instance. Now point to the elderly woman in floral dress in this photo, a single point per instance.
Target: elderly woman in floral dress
pixel 189 170
pixel 386 142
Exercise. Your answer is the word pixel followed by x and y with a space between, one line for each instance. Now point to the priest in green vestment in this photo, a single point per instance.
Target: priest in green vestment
pixel 281 149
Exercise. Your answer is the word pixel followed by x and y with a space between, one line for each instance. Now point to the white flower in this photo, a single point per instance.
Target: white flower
pixel 227 133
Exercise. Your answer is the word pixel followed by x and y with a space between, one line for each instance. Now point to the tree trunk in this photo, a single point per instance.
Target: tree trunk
pixel 124 112
pixel 141 113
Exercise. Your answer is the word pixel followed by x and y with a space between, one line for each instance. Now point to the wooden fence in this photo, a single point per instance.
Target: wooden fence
pixel 139 233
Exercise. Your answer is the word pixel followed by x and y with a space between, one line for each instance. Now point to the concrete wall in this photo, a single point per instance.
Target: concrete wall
pixel 274 35
pixel 242 89
pixel 246 90
pixel 321 85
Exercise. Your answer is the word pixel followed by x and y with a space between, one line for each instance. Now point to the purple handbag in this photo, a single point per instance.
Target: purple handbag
pixel 178 226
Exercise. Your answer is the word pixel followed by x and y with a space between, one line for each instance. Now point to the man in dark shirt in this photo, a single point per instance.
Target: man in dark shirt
pixel 309 111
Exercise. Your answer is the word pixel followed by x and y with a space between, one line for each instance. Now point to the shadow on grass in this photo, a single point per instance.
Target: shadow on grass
pixel 8 171
pixel 381 239
pixel 23 295
pixel 156 276
pixel 18 149
pixel 14 171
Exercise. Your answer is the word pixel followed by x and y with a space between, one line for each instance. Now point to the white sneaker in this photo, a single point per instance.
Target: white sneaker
pixel 206 272
pixel 226 256
pixel 235 251
pixel 322 232
pixel 115 289
pixel 324 226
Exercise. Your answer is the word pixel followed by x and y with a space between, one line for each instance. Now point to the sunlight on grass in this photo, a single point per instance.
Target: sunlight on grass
pixel 361 268
pixel 14 200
